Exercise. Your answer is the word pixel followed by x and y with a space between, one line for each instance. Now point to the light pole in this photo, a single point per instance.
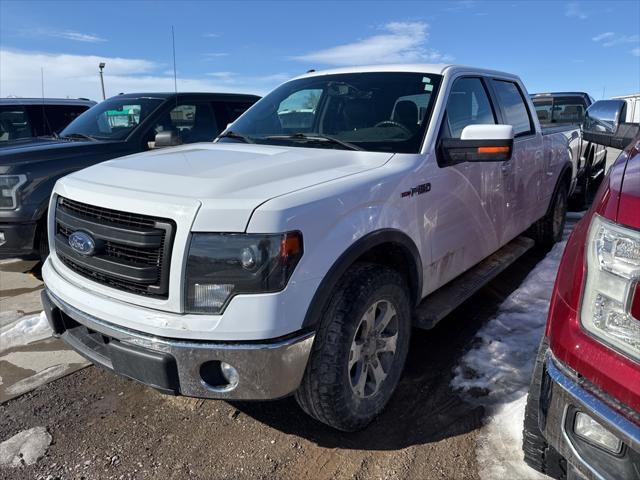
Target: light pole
pixel 101 67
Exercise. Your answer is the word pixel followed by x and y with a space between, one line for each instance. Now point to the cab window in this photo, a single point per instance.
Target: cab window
pixel 513 106
pixel 468 104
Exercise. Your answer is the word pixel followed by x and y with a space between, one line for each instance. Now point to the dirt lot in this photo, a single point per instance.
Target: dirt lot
pixel 107 427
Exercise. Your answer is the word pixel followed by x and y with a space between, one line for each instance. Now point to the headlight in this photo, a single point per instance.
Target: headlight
pixel 9 185
pixel 221 265
pixel 613 273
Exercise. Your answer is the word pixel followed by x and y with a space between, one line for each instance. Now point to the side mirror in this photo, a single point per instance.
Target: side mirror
pixel 167 138
pixel 479 143
pixel 604 124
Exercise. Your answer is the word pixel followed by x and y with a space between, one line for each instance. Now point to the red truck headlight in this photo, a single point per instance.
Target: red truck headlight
pixel 613 273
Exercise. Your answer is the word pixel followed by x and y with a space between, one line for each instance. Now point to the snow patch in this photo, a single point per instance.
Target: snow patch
pixel 499 367
pixel 25 447
pixel 24 330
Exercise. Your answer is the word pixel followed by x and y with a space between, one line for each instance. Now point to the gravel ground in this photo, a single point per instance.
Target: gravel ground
pixel 106 427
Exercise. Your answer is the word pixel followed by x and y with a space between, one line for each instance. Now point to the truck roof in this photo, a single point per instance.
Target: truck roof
pixel 165 95
pixel 433 68
pixel 559 94
pixel 46 101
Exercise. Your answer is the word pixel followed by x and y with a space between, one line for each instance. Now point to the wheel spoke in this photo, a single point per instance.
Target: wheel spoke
pixel 355 354
pixel 378 373
pixel 387 344
pixel 387 314
pixel 369 321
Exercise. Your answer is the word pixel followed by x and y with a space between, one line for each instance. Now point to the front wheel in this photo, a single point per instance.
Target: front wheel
pixel 359 350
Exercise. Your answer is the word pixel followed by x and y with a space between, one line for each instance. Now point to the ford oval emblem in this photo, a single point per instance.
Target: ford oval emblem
pixel 82 243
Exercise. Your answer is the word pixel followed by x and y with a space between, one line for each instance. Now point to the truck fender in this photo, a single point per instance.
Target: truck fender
pixel 565 172
pixel 353 253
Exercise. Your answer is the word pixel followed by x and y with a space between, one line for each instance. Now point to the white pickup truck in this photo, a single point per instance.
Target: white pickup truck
pixel 295 254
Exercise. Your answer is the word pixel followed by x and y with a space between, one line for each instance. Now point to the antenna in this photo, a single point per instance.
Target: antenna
pixel 175 75
pixel 604 88
pixel 44 115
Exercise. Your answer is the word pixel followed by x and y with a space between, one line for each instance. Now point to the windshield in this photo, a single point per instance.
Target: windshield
pixel 560 109
pixel 386 112
pixel 113 119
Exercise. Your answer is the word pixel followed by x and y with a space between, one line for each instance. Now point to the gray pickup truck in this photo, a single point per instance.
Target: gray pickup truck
pixel 564 112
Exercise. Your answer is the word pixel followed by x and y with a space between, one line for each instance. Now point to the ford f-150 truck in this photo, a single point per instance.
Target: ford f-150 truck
pixel 119 126
pixel 564 112
pixel 582 419
pixel 294 255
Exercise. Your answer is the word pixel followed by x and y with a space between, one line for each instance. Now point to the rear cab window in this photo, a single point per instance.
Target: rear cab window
pixel 514 108
pixel 560 109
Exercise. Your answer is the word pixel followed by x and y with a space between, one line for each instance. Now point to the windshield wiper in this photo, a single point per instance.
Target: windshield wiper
pixel 80 136
pixel 238 136
pixel 314 138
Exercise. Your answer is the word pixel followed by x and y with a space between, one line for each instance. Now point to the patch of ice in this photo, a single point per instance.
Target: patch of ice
pixel 38 361
pixel 24 330
pixel 26 447
pixel 34 381
pixel 500 367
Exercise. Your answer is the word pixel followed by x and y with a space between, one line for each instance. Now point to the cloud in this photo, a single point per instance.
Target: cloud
pixel 402 42
pixel 603 36
pixel 636 52
pixel 574 10
pixel 211 35
pixel 77 36
pixel 211 56
pixel 460 5
pixel 67 75
pixel 622 40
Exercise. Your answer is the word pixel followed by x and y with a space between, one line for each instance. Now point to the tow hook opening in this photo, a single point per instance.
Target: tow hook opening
pixel 219 376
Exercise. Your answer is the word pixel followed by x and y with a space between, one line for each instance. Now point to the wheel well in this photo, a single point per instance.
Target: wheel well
pixel 388 247
pixel 395 256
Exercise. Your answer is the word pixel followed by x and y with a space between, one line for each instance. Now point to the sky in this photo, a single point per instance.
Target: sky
pixel 252 47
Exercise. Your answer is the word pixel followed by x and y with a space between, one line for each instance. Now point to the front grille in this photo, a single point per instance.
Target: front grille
pixel 132 251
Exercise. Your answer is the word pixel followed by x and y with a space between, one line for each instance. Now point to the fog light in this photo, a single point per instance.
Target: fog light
pixel 230 374
pixel 3 239
pixel 590 430
pixel 209 296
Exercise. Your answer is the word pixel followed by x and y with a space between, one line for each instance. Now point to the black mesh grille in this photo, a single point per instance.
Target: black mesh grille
pixel 132 251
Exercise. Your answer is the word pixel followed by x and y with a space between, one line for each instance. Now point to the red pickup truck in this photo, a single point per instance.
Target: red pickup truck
pixel 583 411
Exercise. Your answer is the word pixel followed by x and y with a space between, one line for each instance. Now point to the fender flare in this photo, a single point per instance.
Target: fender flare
pixel 355 251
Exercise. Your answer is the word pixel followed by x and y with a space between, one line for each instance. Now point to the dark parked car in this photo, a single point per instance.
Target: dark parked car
pixel 23 119
pixel 121 125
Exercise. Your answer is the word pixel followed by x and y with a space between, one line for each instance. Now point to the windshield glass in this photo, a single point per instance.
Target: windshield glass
pixel 113 119
pixel 386 112
pixel 560 109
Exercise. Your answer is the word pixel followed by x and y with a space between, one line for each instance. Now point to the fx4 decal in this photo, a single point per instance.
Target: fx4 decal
pixel 417 190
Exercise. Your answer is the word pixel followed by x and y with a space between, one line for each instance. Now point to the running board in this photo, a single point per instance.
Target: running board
pixel 443 301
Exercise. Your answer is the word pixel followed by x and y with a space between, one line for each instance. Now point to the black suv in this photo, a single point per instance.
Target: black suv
pixel 119 126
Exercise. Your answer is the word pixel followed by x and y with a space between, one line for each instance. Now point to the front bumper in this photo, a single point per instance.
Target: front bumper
pixel 266 370
pixel 563 394
pixel 17 240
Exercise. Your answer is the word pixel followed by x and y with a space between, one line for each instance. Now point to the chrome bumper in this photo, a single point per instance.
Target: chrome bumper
pixel 562 396
pixel 268 370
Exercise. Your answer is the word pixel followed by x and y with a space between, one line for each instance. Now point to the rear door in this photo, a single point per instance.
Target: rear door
pixel 522 174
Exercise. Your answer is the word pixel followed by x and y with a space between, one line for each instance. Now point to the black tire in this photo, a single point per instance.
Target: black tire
pixel 327 392
pixel 580 200
pixel 549 229
pixel 538 454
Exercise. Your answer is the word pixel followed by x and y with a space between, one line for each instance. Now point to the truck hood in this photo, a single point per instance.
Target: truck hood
pixel 26 154
pixel 227 180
